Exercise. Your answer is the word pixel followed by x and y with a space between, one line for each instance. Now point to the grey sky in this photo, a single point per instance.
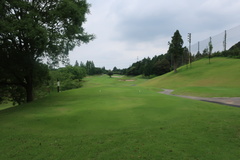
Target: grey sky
pixel 127 30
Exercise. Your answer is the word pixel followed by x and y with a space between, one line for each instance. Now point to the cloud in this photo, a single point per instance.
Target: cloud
pixel 127 29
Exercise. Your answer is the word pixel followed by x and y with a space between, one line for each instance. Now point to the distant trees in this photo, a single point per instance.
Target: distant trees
pixel 210 47
pixel 161 67
pixel 158 65
pixel 70 77
pixel 176 49
pixel 91 69
pixel 233 52
pixel 110 73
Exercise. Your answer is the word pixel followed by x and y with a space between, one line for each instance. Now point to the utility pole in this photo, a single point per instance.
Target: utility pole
pixel 225 41
pixel 189 49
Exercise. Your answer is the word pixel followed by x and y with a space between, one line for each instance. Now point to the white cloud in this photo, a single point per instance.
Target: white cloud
pixel 127 29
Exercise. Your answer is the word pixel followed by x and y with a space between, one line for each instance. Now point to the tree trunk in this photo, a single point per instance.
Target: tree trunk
pixel 29 89
pixel 175 65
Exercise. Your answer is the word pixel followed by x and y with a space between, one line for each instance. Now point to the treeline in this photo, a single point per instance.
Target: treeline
pixel 158 65
pixel 174 58
pixel 232 52
pixel 90 68
pixel 162 64
pixel 70 77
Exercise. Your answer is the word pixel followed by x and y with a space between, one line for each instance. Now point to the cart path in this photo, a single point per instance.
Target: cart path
pixel 229 101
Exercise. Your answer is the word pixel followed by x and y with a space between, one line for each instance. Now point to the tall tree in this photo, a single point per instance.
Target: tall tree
pixel 31 30
pixel 210 46
pixel 176 49
pixel 76 64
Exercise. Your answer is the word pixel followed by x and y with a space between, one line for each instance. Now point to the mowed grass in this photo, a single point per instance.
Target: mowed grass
pixel 112 119
pixel 220 78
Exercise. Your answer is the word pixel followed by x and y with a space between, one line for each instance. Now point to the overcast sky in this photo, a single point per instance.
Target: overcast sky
pixel 129 30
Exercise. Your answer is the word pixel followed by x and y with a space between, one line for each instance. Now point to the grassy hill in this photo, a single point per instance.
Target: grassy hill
pixel 220 78
pixel 114 118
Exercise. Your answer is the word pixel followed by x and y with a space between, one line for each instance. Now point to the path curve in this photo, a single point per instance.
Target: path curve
pixel 230 101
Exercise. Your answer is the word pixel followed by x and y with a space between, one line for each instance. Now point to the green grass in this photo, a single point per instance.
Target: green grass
pixel 5 105
pixel 220 78
pixel 111 119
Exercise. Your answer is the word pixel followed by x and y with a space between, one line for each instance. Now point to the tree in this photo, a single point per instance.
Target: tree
pixel 110 73
pixel 90 67
pixel 69 76
pixel 147 71
pixel 176 49
pixel 31 31
pixel 76 64
pixel 161 67
pixel 210 46
pixel 205 52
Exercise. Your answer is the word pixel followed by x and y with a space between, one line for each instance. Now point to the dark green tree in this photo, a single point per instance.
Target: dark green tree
pixel 176 49
pixel 198 55
pixel 90 67
pixel 76 64
pixel 210 46
pixel 147 71
pixel 161 67
pixel 205 52
pixel 70 77
pixel 110 73
pixel 33 30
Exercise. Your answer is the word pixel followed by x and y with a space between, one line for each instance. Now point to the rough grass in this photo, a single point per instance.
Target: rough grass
pixel 111 119
pixel 220 78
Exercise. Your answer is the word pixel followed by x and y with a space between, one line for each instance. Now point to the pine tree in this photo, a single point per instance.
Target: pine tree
pixel 176 49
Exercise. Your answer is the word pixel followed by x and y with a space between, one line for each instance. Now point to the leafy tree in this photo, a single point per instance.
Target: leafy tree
pixel 147 71
pixel 210 46
pixel 176 49
pixel 82 64
pixel 135 69
pixel 90 68
pixel 161 67
pixel 76 64
pixel 185 56
pixel 115 69
pixel 69 76
pixel 110 73
pixel 31 30
pixel 198 55
pixel 205 52
pixel 98 70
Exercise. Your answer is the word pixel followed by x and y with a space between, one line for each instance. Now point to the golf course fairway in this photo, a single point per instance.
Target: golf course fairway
pixel 119 118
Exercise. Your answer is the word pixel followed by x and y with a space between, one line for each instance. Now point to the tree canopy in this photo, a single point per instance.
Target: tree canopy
pixel 33 30
pixel 175 48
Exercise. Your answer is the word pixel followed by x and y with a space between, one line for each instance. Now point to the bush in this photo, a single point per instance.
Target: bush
pixel 70 78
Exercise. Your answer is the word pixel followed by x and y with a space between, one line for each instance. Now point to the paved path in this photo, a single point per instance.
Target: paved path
pixel 230 101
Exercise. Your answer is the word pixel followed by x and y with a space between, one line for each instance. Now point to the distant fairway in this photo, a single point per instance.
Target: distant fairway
pixel 113 118
pixel 221 78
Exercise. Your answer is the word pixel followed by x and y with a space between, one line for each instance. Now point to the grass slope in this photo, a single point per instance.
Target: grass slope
pixel 220 78
pixel 114 119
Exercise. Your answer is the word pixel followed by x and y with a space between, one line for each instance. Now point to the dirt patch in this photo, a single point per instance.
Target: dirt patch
pixel 230 101
pixel 128 80
pixel 117 76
